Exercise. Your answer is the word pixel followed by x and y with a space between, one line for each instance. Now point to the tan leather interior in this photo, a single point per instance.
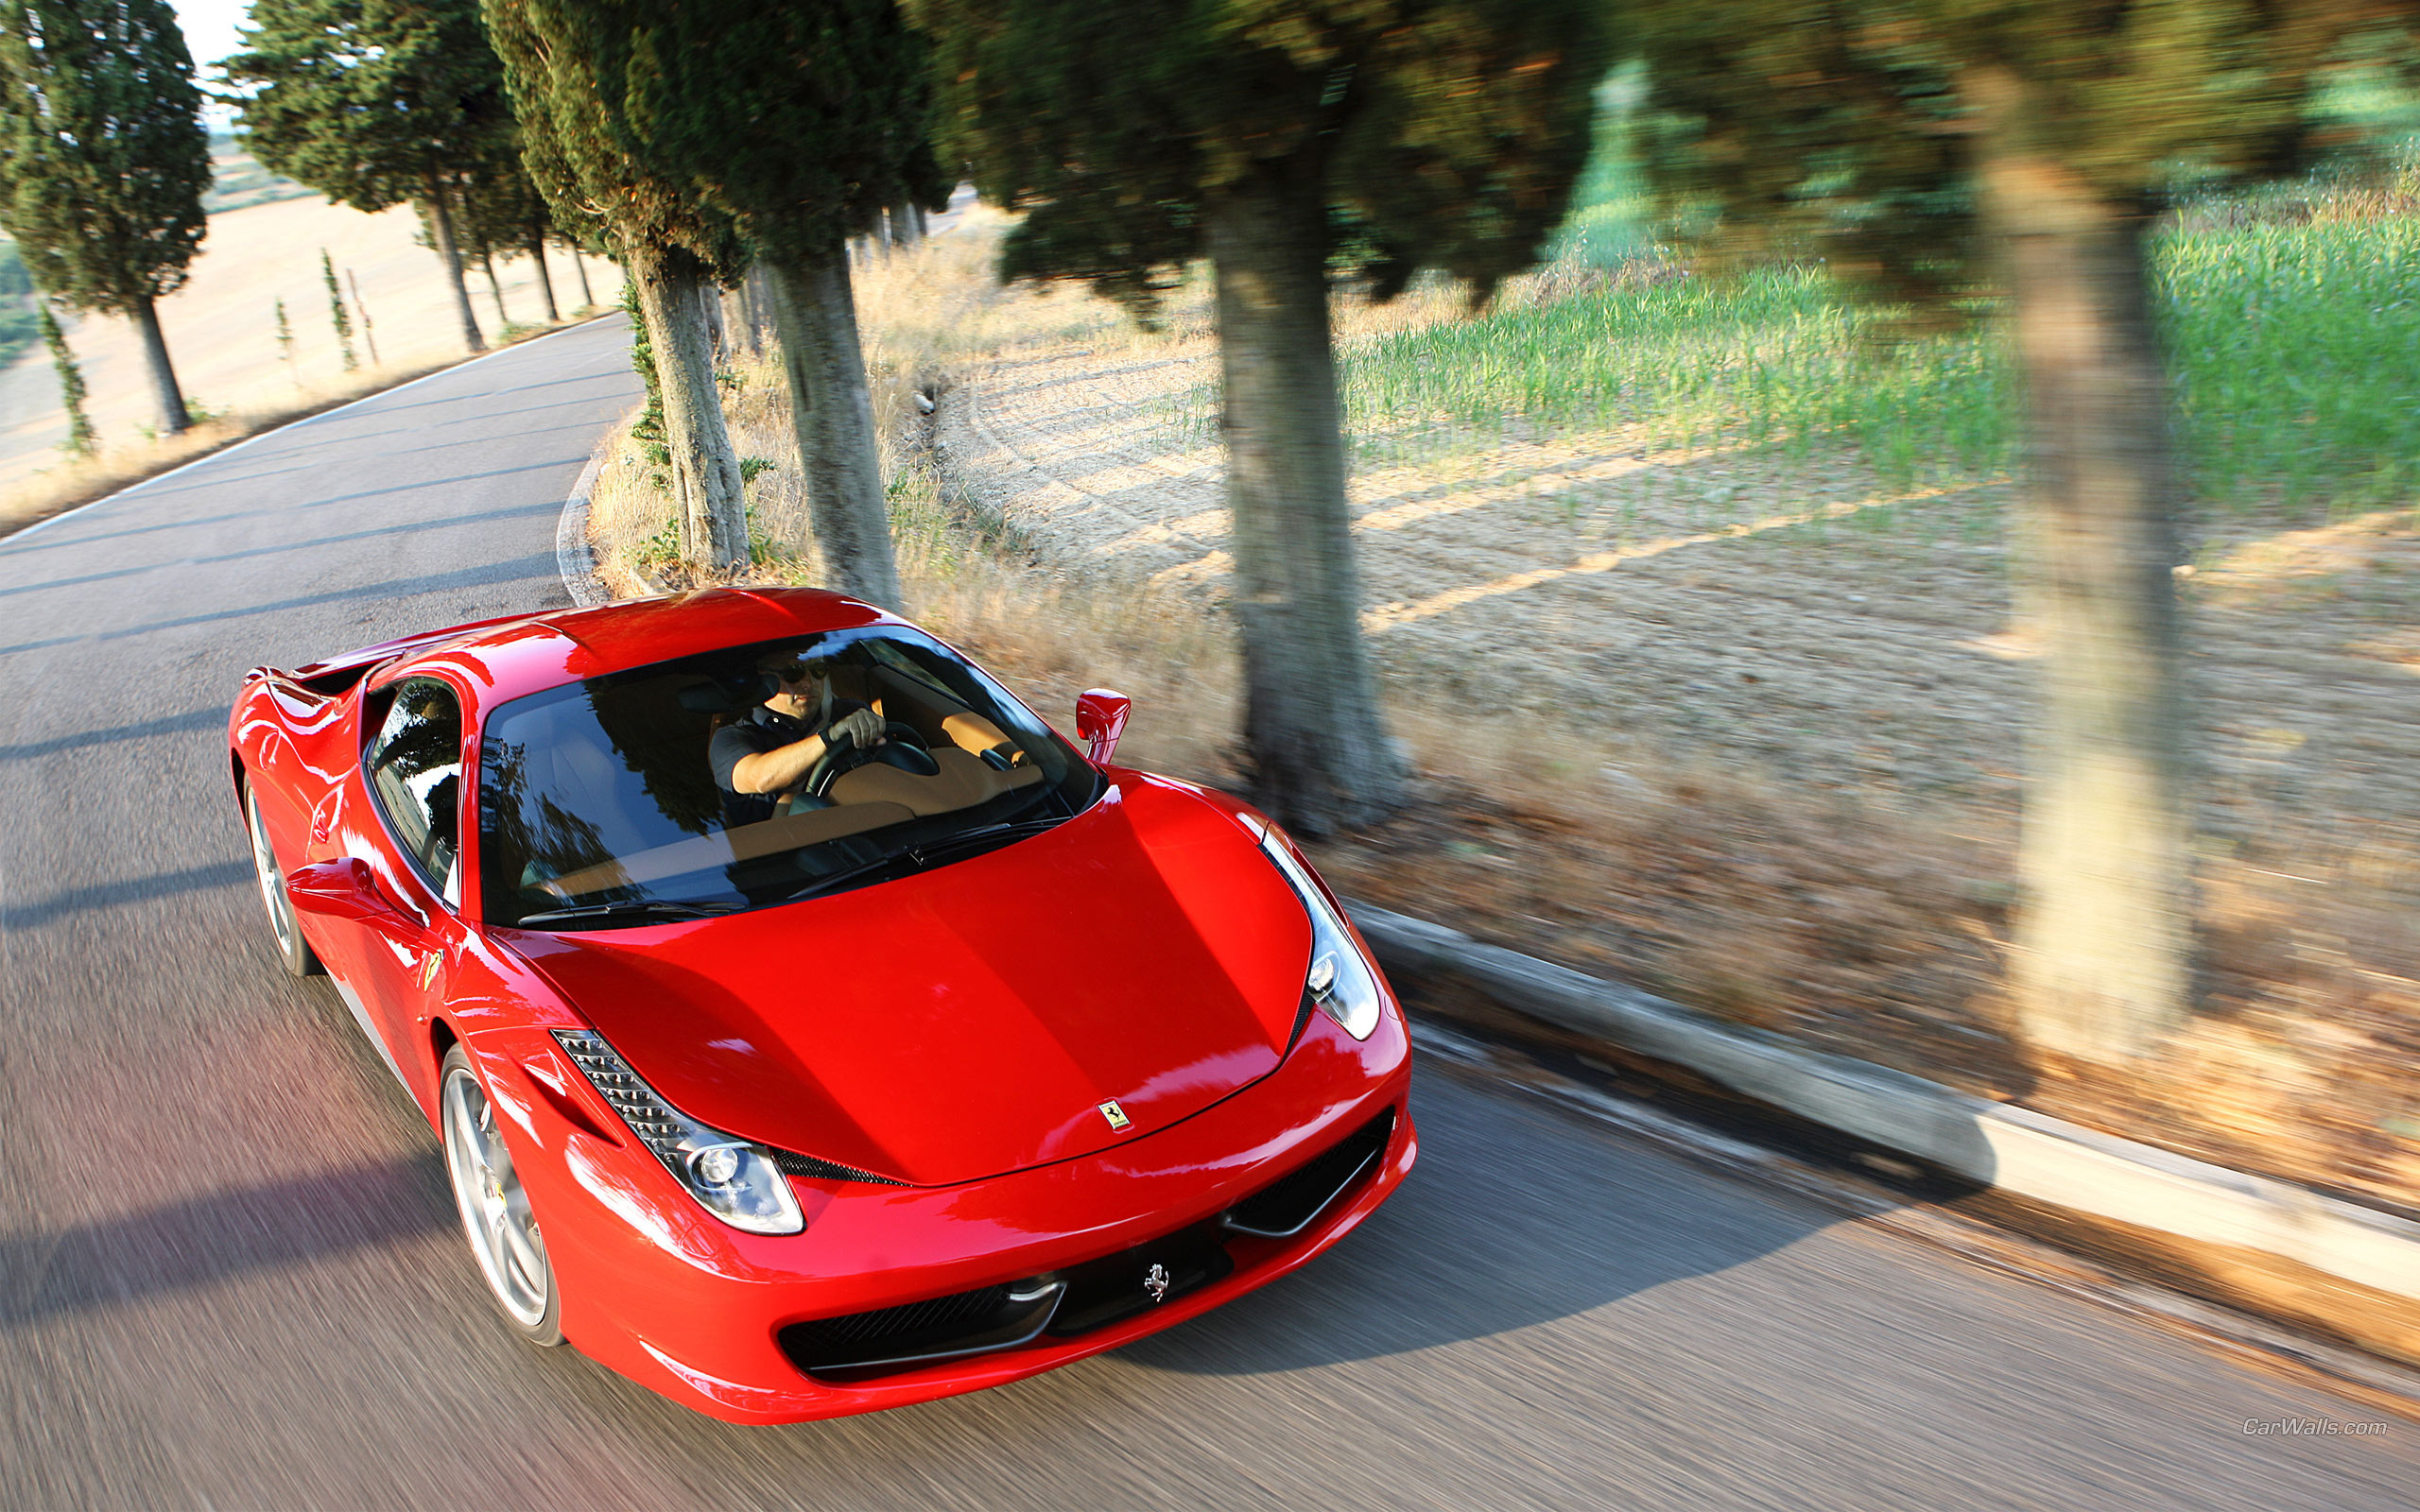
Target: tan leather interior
pixel 786 833
pixel 973 732
pixel 962 781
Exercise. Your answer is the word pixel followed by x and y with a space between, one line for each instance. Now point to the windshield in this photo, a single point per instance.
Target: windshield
pixel 756 775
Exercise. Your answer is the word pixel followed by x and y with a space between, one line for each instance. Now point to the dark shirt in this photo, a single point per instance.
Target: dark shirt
pixel 760 728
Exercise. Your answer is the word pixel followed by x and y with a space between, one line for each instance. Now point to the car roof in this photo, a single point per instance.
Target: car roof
pixel 505 659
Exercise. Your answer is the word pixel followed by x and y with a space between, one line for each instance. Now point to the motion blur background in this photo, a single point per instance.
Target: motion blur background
pixel 1891 524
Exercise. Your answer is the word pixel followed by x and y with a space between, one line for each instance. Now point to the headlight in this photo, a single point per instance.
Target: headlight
pixel 1339 980
pixel 735 1181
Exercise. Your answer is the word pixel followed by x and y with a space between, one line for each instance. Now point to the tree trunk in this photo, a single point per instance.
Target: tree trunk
pixel 173 420
pixel 495 289
pixel 1316 743
pixel 2104 958
pixel 738 325
pixel 441 227
pixel 814 314
pixel 713 510
pixel 760 307
pixel 904 228
pixel 710 311
pixel 546 284
pixel 587 299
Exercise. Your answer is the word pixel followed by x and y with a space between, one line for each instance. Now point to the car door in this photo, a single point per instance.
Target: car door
pixel 412 769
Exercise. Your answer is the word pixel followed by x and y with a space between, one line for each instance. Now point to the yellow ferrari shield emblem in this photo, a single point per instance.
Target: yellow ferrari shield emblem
pixel 1116 1114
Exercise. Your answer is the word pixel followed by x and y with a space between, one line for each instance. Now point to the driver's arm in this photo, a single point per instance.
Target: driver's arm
pixel 776 770
pixel 782 768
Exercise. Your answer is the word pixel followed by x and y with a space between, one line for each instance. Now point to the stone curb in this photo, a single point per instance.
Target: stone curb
pixel 2013 1149
pixel 575 560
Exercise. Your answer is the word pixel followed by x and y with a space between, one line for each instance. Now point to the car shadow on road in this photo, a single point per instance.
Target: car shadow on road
pixel 1518 1214
pixel 177 1246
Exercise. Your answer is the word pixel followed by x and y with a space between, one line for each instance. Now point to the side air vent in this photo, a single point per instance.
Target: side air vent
pixel 1291 1203
pixel 815 1170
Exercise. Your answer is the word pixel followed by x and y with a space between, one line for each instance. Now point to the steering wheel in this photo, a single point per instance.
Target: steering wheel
pixel 901 747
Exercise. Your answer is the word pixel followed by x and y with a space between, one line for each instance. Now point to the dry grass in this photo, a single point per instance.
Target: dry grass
pixel 1873 922
pixel 68 484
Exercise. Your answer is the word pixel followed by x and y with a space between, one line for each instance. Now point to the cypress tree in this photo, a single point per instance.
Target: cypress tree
pixel 375 103
pixel 82 440
pixel 802 121
pixel 795 123
pixel 571 67
pixel 1286 144
pixel 285 344
pixel 369 335
pixel 505 215
pixel 1939 151
pixel 103 161
pixel 336 315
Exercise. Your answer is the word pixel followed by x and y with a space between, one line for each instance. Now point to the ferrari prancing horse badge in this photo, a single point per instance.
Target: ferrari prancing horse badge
pixel 1117 1115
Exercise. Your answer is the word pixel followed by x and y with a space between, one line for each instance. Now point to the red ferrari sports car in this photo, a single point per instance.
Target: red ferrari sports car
pixel 808 1027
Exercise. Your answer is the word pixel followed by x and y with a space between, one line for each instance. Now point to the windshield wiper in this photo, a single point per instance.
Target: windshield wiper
pixel 641 909
pixel 986 836
pixel 828 884
pixel 926 854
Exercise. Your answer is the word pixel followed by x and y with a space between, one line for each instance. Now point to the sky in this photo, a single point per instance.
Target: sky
pixel 210 28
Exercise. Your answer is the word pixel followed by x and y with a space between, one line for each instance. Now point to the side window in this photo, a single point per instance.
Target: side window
pixel 415 767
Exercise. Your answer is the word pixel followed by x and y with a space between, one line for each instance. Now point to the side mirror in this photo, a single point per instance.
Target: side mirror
pixel 347 888
pixel 1100 718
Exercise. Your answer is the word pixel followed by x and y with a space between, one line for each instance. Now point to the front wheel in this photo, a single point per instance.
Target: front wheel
pixel 495 1211
pixel 293 952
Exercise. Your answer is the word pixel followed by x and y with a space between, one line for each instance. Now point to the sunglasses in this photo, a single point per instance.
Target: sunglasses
pixel 798 672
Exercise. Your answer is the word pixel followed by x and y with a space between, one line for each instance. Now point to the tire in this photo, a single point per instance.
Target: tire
pixel 284 930
pixel 503 1232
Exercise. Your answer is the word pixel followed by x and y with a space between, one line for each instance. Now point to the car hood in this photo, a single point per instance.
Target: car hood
pixel 971 1019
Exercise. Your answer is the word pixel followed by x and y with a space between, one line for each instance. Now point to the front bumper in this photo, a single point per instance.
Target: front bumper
pixel 655 1288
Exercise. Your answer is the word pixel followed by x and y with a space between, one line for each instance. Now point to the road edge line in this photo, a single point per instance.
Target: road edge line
pixel 231 447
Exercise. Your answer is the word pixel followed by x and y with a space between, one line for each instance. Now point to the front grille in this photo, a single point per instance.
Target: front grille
pixel 1289 1205
pixel 1115 1287
pixel 859 1347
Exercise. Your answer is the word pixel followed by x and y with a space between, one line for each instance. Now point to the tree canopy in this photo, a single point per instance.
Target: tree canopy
pixel 801 120
pixel 1447 134
pixel 1853 127
pixel 103 159
pixel 585 77
pixel 368 101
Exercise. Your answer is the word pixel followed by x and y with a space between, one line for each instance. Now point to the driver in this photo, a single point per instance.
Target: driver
pixel 761 759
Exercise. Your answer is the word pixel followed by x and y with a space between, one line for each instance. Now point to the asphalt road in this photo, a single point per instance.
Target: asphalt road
pixel 229 1275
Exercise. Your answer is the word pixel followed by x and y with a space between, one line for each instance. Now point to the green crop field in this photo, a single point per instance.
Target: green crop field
pixel 2293 348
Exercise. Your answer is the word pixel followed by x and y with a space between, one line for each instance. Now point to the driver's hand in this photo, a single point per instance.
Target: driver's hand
pixel 860 727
